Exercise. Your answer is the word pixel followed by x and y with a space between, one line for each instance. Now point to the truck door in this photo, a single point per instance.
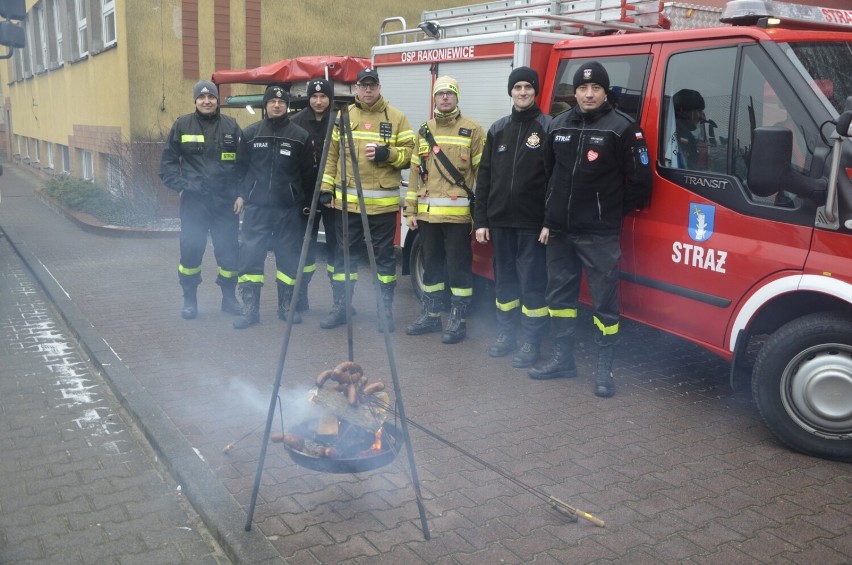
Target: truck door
pixel 705 240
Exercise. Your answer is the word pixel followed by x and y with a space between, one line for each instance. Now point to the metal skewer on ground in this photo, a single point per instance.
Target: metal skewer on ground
pixel 559 505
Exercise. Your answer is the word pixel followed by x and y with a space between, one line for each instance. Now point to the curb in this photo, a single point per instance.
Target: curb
pixel 216 506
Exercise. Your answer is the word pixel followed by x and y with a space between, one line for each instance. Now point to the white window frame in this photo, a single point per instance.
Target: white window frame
pixel 108 31
pixel 37 152
pixel 82 28
pixel 40 55
pixel 114 180
pixel 66 159
pixel 87 166
pixel 56 18
pixel 49 147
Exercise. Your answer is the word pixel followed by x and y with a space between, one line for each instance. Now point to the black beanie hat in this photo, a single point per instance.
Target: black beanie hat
pixel 591 73
pixel 523 74
pixel 319 85
pixel 275 91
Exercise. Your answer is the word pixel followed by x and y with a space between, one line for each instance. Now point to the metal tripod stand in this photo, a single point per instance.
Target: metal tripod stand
pixel 346 144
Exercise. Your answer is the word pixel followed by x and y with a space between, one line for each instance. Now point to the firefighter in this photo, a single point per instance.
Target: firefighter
pixel 383 144
pixel 278 163
pixel 199 162
pixel 689 115
pixel 509 211
pixel 597 162
pixel 449 147
pixel 314 119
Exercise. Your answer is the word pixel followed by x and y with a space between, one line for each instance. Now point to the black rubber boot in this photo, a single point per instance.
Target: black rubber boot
pixel 503 345
pixel 560 365
pixel 604 383
pixel 526 356
pixel 190 301
pixel 386 309
pixel 456 329
pixel 230 304
pixel 285 297
pixel 302 303
pixel 251 307
pixel 429 320
pixel 337 316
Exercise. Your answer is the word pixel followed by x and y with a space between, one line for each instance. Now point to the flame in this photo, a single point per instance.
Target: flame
pixel 377 445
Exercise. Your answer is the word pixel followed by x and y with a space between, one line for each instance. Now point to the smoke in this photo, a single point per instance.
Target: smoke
pixel 292 403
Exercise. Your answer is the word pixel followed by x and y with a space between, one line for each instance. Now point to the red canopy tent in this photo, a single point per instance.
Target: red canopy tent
pixel 343 69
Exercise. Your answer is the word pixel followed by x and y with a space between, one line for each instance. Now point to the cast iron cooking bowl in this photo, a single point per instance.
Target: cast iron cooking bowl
pixel 391 444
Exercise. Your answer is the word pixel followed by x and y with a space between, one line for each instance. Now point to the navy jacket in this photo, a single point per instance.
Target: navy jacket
pixel 598 168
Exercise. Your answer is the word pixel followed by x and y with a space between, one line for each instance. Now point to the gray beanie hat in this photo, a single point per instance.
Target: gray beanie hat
pixel 204 87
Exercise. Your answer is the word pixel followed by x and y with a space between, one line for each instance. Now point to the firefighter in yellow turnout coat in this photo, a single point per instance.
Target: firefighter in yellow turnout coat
pixel 383 145
pixel 449 147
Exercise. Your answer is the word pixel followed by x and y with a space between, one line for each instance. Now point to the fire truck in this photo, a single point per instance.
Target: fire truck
pixel 747 244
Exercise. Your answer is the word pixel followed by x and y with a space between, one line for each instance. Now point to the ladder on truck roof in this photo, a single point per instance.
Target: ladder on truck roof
pixel 564 17
pixel 509 15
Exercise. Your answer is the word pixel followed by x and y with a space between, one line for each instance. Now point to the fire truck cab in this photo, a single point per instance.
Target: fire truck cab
pixel 747 240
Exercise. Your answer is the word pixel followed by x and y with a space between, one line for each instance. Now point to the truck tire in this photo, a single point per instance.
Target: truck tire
pixel 802 385
pixel 415 266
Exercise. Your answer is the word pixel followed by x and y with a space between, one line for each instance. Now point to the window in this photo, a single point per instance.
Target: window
pixel 695 118
pixel 82 28
pixel 108 11
pixel 115 180
pixel 627 76
pixel 49 147
pixel 54 26
pixel 87 170
pixel 39 39
pixel 36 151
pixel 27 148
pixel 66 159
pixel 765 99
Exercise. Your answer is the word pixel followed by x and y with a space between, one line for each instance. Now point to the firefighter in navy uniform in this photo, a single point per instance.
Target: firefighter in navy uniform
pixel 597 160
pixel 449 148
pixel 384 142
pixel 278 163
pixel 509 210
pixel 314 119
pixel 199 162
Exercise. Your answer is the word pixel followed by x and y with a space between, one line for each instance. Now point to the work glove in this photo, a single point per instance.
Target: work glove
pixel 382 153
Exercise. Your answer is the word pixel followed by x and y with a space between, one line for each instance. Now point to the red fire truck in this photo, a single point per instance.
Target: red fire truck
pixel 747 246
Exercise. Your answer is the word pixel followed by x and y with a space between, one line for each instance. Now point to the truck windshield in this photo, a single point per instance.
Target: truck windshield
pixel 825 66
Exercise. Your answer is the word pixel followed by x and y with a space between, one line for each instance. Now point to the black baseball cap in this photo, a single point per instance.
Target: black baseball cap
pixel 368 74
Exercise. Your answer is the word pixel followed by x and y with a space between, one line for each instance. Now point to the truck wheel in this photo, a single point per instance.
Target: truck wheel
pixel 415 267
pixel 802 385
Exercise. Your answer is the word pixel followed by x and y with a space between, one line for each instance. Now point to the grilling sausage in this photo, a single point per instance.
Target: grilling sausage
pixel 374 387
pixel 349 372
pixel 324 376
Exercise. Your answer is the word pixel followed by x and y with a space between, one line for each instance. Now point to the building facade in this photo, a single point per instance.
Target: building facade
pixel 100 82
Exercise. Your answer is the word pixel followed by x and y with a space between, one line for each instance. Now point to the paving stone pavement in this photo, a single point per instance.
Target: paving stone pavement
pixel 680 467
pixel 78 483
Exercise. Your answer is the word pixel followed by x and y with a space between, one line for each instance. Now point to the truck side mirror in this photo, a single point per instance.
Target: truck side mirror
pixel 770 171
